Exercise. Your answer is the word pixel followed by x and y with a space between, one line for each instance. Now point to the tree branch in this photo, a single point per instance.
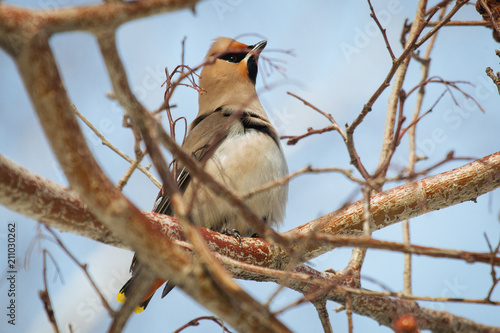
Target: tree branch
pixel 257 252
pixel 410 200
pixel 17 22
pixel 29 194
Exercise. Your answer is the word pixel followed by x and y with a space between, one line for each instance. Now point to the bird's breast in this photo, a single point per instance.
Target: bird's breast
pixel 248 160
pixel 244 162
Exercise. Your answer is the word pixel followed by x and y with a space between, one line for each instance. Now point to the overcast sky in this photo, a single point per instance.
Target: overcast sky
pixel 339 59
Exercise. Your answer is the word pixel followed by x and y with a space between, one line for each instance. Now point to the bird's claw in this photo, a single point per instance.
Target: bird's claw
pixel 233 232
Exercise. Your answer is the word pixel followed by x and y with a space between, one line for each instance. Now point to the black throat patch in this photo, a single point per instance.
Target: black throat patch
pixel 252 68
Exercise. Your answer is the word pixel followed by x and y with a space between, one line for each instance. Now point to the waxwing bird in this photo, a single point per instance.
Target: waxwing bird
pixel 235 142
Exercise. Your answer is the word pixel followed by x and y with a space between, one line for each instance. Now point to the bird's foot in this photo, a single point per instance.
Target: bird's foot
pixel 233 232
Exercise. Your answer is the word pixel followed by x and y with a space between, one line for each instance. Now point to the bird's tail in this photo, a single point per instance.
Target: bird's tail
pixel 127 288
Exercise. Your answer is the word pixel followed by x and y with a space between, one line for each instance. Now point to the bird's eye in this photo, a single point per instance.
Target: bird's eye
pixel 233 57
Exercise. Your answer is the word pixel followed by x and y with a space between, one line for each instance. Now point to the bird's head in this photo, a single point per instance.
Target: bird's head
pixel 228 78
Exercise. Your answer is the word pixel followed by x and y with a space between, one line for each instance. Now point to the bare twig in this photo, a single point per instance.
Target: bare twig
pixel 293 139
pixel 494 77
pixel 382 30
pixel 445 20
pixel 113 148
pixel 407 259
pixel 348 311
pixel 328 116
pixel 448 84
pixel 323 316
pixel 494 278
pixel 126 176
pixel 458 23
pixel 83 267
pixel 196 322
pixel 367 242
pixel 44 294
pixel 388 143
pixel 449 157
pixel 307 169
pixel 419 298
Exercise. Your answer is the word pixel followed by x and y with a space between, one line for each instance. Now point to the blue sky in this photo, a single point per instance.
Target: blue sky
pixel 339 61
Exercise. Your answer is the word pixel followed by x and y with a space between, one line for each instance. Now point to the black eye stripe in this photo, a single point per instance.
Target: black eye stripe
pixel 233 57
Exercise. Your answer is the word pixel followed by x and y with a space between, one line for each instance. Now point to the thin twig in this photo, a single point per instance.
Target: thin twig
pixel 448 84
pixel 328 116
pixel 382 30
pixel 83 267
pixel 44 294
pixel 494 278
pixel 493 77
pixel 445 20
pixel 113 148
pixel 348 311
pixel 397 97
pixel 368 242
pixel 323 315
pixel 410 47
pixel 449 157
pixel 459 23
pixel 126 176
pixel 407 260
pixel 293 139
pixel 418 298
pixel 196 322
pixel 307 169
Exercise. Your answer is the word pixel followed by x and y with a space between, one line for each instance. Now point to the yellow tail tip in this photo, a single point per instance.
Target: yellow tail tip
pixel 121 297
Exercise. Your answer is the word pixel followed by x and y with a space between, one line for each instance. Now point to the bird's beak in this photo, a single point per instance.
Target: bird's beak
pixel 256 50
pixel 259 46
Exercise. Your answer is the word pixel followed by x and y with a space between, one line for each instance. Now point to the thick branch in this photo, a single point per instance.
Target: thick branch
pixel 30 195
pixel 254 251
pixel 16 23
pixel 410 200
pixel 399 77
pixel 385 309
pixel 43 200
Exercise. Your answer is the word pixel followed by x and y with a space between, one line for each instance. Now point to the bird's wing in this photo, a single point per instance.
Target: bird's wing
pixel 206 133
